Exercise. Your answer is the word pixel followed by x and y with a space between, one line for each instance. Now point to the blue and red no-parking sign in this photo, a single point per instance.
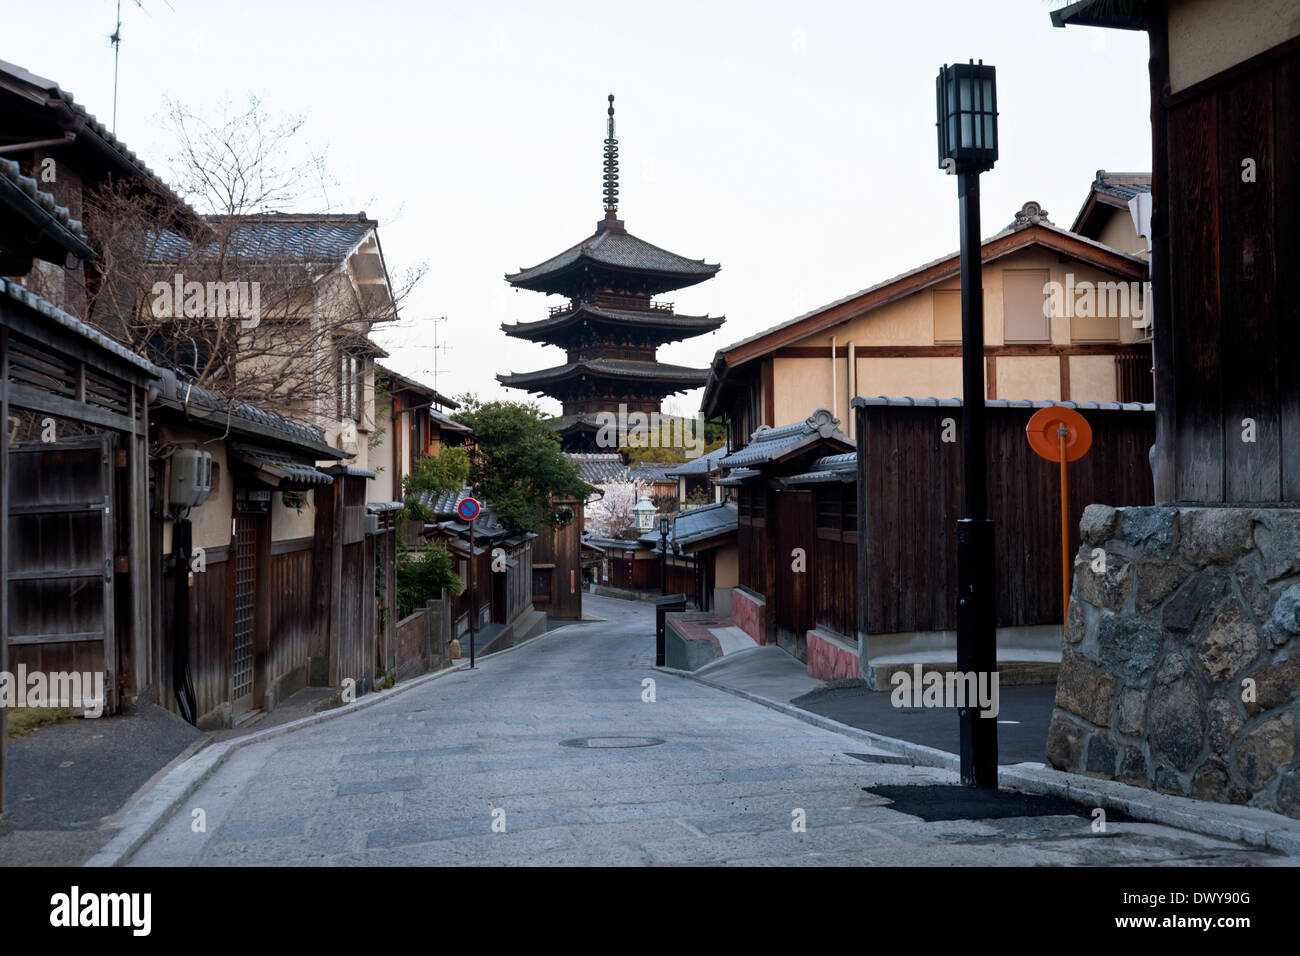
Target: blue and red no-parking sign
pixel 468 509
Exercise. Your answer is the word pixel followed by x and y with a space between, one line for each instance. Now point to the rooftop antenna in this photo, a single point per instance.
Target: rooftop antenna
pixel 611 163
pixel 116 41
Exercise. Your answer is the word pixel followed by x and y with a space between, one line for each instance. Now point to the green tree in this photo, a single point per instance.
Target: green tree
pixel 517 464
pixel 446 471
pixel 421 576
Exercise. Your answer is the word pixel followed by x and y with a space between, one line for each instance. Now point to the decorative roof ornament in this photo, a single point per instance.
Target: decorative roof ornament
pixel 822 422
pixel 611 163
pixel 1030 214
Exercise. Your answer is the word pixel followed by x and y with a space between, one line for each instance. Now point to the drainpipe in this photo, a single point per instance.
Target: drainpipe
pixel 853 391
pixel 181 685
pixel 835 388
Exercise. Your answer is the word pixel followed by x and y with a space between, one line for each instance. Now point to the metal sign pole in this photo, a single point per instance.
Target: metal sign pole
pixel 473 593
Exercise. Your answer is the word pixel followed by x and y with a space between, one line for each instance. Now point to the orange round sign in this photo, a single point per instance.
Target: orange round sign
pixel 1043 432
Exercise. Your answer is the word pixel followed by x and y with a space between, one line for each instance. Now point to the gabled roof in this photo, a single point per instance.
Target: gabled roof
pixel 680 326
pixel 613 248
pixel 1031 228
pixel 324 238
pixel 56 232
pixel 41 97
pixel 769 444
pixel 704 523
pixel 699 466
pixel 1108 191
pixel 842 468
pixel 427 393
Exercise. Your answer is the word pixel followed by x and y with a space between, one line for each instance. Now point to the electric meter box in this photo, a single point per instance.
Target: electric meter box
pixel 191 478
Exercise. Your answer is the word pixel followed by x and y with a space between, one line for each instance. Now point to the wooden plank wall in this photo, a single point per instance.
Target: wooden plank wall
pixel 1234 286
pixel 834 560
pixel 291 607
pixel 911 497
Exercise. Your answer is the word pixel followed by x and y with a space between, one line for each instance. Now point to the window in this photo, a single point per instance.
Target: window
pixel 352 375
pixel 947 317
pixel 1024 306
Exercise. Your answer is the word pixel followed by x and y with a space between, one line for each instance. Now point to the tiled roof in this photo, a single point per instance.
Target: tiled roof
pixel 399 381
pixel 618 249
pixel 700 523
pixel 610 368
pixel 842 467
pixel 286 472
pixel 191 400
pixel 767 444
pixel 279 237
pixel 598 469
pixel 16 292
pixel 652 472
pixel 1115 189
pixel 683 326
pixel 39 208
pixel 63 99
pixel 700 466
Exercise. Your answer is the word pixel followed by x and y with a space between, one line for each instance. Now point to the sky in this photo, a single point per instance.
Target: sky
pixel 794 143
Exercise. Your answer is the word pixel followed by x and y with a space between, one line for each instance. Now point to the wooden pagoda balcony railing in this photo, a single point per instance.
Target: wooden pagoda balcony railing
pixel 625 303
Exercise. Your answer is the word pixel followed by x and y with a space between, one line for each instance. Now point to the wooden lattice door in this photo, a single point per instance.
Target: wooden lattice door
pixel 245 614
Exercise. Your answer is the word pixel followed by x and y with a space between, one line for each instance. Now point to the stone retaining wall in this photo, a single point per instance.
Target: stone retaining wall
pixel 1181 661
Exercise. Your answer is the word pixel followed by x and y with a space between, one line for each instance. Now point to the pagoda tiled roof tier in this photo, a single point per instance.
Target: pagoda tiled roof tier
pixel 678 377
pixel 613 258
pixel 663 325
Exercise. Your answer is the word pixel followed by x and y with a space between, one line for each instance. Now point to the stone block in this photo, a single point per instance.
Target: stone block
pixel 1156 580
pixel 1214 535
pixel 1225 724
pixel 1105 589
pixel 1265 750
pixel 1132 710
pixel 1133 767
pixel 1150 530
pixel 1283 622
pixel 1098 524
pixel 1101 756
pixel 1065 741
pixel 1175 717
pixel 1230 645
pixel 1277 535
pixel 1288 793
pixel 1276 685
pixel 1213 782
pixel 1129 645
pixel 1199 592
pixel 1084 689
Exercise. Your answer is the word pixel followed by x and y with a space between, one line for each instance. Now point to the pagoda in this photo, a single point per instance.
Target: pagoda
pixel 610 326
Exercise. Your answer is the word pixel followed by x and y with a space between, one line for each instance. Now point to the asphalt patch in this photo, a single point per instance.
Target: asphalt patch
pixel 936 802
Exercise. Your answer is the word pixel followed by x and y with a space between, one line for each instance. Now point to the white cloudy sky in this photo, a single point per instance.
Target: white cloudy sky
pixel 792 142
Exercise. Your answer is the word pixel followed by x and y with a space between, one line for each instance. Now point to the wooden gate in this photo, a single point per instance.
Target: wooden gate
pixel 61 549
pixel 794 589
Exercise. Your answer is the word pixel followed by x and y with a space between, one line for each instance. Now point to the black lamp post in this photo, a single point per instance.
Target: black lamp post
pixel 663 557
pixel 966 97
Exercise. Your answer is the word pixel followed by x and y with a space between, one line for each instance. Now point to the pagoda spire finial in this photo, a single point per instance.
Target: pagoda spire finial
pixel 611 164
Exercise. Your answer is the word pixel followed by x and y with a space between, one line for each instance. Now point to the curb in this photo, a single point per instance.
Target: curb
pixel 1248 825
pixel 919 754
pixel 153 808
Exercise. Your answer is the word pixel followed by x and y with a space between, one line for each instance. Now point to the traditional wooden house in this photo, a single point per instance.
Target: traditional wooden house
pixel 1059 312
pixel 74 419
pixel 411 421
pixel 1225 233
pixel 774 600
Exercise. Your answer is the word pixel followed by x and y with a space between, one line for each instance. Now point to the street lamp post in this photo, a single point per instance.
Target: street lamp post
pixel 966 98
pixel 663 557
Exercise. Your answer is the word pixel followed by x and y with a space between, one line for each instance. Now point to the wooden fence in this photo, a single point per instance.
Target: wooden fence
pixel 910 495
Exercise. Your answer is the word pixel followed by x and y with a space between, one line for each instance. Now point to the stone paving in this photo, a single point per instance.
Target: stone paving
pixel 511 764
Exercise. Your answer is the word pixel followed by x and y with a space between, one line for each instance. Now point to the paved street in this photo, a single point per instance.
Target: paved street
pixel 421 779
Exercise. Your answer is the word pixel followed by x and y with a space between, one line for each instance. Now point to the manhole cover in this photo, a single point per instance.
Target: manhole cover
pixel 604 743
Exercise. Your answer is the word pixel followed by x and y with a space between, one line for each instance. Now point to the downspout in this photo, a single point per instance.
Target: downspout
pixel 853 391
pixel 835 388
